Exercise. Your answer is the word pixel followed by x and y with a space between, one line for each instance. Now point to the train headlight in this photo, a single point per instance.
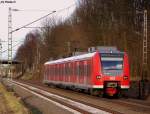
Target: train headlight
pixel 98 77
pixel 125 77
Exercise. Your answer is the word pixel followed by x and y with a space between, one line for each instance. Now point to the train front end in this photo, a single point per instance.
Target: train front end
pixel 114 72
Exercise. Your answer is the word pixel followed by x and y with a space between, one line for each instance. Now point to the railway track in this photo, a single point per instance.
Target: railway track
pixel 114 106
pixel 77 107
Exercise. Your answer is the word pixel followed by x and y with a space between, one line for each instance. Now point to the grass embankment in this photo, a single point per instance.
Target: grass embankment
pixel 27 76
pixel 34 76
pixel 10 104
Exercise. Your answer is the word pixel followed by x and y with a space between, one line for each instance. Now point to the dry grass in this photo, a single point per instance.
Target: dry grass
pixel 12 105
pixel 27 76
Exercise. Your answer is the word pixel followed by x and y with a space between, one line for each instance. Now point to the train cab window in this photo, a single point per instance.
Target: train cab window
pixel 112 65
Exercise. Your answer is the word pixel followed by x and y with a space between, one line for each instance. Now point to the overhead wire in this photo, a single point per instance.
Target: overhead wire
pixel 24 26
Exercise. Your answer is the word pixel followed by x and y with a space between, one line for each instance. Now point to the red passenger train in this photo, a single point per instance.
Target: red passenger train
pixel 105 71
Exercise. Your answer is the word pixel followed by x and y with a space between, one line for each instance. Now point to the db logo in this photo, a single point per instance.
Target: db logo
pixel 112 78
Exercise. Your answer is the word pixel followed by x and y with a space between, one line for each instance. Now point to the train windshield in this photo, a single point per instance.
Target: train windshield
pixel 112 65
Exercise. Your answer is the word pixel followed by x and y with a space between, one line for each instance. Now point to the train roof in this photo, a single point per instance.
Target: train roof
pixel 84 56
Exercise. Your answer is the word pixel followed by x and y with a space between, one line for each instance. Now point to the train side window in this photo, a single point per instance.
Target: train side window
pixel 53 70
pixel 85 68
pixel 89 68
pixel 57 70
pixel 61 70
pixel 67 69
pixel 82 69
pixel 49 69
pixel 64 69
pixel 46 69
pixel 75 69
pixel 46 72
pixel 78 70
pixel 71 69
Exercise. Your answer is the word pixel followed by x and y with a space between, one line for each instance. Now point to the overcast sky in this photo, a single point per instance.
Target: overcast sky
pixel 33 9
